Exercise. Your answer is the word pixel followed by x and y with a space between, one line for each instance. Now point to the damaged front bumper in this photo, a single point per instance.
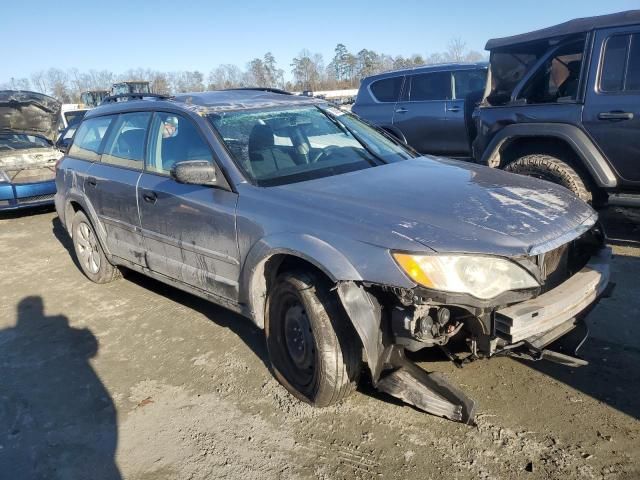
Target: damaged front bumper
pixel 522 330
pixel 531 320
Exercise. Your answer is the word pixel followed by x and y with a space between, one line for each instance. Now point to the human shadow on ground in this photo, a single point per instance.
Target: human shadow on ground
pixel 57 419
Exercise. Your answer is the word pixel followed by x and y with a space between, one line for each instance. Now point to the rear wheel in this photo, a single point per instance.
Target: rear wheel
pixel 91 257
pixel 312 347
pixel 553 170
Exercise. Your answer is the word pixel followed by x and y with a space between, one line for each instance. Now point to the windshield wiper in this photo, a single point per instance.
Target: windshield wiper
pixel 345 129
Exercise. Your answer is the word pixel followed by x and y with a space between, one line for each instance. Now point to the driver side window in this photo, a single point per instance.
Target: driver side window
pixel 557 79
pixel 174 138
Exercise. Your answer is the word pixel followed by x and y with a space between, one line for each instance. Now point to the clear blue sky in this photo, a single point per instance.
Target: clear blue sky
pixel 197 35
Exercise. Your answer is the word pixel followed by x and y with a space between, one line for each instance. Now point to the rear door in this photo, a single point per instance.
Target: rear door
pixel 189 230
pixel 422 112
pixel 468 87
pixel 111 185
pixel 612 108
pixel 377 102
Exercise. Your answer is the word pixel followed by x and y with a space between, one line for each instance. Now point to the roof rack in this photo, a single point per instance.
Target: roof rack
pixel 263 89
pixel 135 96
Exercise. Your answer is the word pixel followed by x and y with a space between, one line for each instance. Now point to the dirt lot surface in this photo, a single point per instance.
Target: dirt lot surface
pixel 137 380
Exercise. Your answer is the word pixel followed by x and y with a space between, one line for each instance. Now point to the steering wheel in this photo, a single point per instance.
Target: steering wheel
pixel 325 152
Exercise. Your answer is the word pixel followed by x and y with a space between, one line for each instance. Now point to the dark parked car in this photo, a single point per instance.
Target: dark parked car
pixel 28 126
pixel 564 105
pixel 425 106
pixel 340 242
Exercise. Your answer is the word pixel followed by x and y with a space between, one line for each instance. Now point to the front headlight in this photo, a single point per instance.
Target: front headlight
pixel 482 277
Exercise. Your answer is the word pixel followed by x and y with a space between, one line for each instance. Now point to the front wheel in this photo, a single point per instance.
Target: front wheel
pixel 554 170
pixel 91 257
pixel 313 349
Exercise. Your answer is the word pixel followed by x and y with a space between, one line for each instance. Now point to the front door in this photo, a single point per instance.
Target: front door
pixel 189 230
pixel 612 109
pixel 421 113
pixel 111 185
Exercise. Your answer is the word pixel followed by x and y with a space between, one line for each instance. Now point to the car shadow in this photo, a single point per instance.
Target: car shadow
pixel 58 419
pixel 65 239
pixel 248 332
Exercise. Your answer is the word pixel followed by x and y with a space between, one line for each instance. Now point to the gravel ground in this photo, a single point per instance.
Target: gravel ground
pixel 137 380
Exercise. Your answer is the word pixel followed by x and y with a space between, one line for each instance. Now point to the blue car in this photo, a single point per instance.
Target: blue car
pixel 28 122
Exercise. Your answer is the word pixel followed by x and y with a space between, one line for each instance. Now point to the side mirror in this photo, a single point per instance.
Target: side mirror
pixel 63 145
pixel 194 172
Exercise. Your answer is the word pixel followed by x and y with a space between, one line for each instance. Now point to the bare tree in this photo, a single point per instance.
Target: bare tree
pixel 456 50
pixel 225 76
pixel 39 81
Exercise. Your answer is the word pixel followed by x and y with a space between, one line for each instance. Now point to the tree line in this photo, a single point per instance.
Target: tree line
pixel 308 72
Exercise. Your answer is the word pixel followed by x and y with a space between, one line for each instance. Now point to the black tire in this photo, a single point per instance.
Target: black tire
pixel 554 170
pixel 320 362
pixel 89 253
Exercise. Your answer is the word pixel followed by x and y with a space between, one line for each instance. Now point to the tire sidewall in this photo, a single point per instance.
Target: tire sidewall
pixel 106 271
pixel 553 170
pixel 276 341
pixel 334 374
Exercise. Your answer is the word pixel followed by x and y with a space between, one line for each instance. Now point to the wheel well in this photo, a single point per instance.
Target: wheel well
pixel 71 208
pixel 263 281
pixel 521 146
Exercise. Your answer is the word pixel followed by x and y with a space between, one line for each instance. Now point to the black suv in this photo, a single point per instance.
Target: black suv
pixel 563 104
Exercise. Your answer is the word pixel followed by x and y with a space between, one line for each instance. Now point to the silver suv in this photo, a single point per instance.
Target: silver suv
pixel 343 244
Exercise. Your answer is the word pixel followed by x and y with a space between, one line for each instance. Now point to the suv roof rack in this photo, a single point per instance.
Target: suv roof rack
pixel 135 96
pixel 263 89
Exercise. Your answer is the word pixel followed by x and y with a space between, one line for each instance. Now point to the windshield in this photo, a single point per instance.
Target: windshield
pixel 20 141
pixel 93 99
pixel 74 117
pixel 275 146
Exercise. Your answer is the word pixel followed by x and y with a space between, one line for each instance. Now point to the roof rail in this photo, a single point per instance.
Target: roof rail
pixel 135 96
pixel 263 89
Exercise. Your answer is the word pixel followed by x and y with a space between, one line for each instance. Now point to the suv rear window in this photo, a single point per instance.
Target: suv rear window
pixel 621 66
pixel 387 89
pixel 86 144
pixel 469 81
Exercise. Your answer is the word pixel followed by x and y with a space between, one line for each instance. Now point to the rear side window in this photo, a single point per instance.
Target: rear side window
pixel 174 138
pixel 468 81
pixel 387 89
pixel 86 144
pixel 430 86
pixel 621 65
pixel 125 146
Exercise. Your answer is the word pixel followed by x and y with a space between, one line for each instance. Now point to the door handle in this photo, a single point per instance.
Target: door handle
pixel 150 197
pixel 453 109
pixel 92 181
pixel 615 116
pixel 401 110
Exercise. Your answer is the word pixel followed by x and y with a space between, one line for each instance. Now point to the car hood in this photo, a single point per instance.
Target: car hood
pixel 449 206
pixel 29 112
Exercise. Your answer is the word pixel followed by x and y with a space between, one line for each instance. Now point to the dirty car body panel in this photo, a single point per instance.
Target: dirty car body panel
pixel 28 123
pixel 276 206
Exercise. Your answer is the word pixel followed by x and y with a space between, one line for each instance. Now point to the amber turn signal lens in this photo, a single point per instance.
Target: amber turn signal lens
pixel 411 267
